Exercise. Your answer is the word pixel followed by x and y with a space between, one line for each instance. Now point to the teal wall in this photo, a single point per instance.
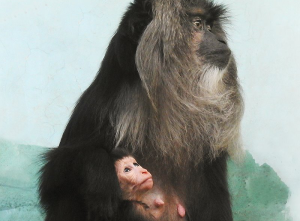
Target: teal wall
pixel 50 52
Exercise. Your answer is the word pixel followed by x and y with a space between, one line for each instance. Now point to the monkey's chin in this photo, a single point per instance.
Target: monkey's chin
pixel 220 62
pixel 146 185
pixel 220 67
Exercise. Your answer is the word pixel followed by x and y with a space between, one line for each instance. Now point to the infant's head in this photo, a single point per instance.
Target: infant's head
pixel 134 179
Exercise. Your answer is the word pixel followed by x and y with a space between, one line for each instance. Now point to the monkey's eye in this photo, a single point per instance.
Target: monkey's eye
pixel 126 170
pixel 197 22
pixel 136 164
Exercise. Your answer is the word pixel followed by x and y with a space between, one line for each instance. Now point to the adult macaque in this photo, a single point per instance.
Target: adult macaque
pixel 168 92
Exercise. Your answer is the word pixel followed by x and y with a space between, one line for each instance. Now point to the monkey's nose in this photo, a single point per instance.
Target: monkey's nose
pixel 144 171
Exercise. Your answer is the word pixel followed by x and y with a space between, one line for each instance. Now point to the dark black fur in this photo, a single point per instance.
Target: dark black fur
pixel 78 181
pixel 81 184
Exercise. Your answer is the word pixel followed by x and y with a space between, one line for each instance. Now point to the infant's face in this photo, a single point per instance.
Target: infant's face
pixel 133 178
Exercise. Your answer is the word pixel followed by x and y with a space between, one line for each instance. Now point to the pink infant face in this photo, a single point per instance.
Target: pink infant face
pixel 133 178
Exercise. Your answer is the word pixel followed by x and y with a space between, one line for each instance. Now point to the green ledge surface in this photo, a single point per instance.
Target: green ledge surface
pixel 258 194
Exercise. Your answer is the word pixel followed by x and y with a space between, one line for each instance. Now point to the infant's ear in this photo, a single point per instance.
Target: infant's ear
pixel 158 202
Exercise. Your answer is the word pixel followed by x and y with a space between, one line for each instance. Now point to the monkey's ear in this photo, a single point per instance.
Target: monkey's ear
pixel 101 186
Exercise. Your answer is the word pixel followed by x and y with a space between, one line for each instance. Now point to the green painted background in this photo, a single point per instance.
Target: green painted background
pixel 258 194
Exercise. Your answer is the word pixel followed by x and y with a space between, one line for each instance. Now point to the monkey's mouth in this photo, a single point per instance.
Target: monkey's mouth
pixel 147 180
pixel 147 184
pixel 219 58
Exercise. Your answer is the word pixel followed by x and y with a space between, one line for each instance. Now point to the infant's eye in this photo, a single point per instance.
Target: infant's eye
pixel 136 164
pixel 126 170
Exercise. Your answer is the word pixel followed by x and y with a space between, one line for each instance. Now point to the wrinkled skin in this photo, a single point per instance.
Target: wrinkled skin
pixel 133 178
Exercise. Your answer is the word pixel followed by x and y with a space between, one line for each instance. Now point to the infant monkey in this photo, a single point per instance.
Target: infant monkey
pixel 135 183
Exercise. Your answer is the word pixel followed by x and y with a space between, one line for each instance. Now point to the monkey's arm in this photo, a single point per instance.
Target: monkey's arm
pixel 100 187
pixel 79 183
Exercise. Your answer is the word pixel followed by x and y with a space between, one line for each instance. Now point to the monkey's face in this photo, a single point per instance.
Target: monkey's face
pixel 134 179
pixel 210 41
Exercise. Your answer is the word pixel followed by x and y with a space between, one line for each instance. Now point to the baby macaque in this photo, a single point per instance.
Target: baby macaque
pixel 134 180
pixel 135 183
